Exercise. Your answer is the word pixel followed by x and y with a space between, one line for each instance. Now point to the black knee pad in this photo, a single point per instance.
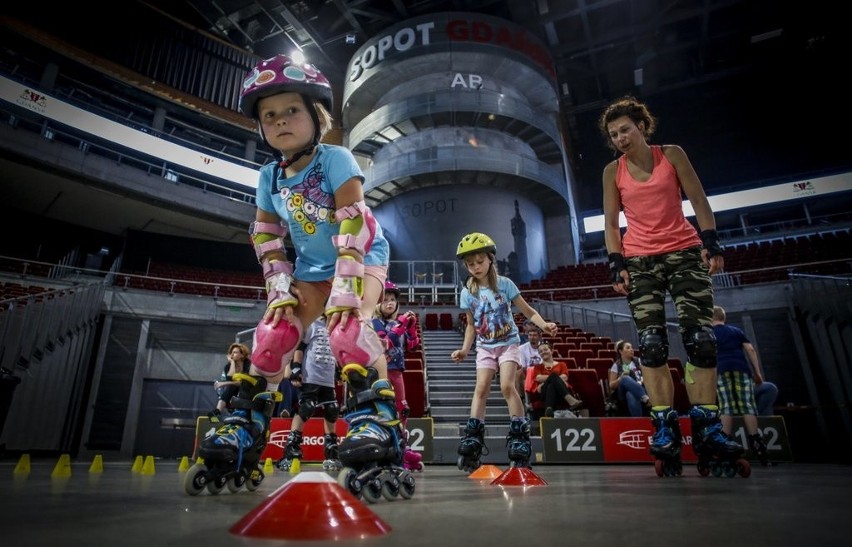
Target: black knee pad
pixel 700 345
pixel 331 412
pixel 654 345
pixel 307 408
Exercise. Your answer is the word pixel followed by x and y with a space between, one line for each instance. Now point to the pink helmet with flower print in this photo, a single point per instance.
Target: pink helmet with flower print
pixel 280 74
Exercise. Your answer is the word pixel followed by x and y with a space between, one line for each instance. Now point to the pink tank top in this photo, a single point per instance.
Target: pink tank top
pixel 655 221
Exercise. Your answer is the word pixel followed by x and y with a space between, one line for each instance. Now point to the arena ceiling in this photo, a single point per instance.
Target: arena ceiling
pixel 748 87
pixel 712 70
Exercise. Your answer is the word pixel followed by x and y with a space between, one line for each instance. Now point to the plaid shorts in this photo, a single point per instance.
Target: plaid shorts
pixel 735 392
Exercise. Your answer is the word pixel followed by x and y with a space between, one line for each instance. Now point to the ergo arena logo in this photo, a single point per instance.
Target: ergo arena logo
pixel 279 439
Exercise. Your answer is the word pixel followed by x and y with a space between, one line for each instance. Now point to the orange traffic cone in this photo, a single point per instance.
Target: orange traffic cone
pixel 486 472
pixel 289 513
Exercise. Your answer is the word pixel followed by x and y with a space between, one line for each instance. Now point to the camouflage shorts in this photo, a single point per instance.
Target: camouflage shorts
pixel 683 275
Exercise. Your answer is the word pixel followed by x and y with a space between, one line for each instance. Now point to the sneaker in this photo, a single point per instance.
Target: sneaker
pixel 646 400
pixel 548 412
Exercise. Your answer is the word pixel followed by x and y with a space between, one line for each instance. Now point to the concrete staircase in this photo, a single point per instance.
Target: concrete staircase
pixel 451 386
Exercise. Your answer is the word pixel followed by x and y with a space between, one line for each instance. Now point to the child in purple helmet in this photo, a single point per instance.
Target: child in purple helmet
pixel 315 194
pixel 399 332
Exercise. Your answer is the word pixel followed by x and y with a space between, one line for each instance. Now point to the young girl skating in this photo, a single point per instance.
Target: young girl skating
pixel 487 300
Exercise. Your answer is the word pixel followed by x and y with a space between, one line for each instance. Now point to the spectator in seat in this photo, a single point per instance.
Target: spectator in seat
pixel 550 382
pixel 226 387
pixel 529 355
pixel 765 394
pixel 626 382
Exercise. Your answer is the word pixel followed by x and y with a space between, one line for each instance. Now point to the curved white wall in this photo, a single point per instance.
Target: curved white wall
pixel 427 224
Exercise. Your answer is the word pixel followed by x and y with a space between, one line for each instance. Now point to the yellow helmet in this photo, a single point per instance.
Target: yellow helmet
pixel 476 243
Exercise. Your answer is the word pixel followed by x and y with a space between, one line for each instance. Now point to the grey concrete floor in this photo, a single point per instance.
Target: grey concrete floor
pixel 588 505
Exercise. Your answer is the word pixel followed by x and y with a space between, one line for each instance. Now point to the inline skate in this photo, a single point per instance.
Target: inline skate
pixel 717 453
pixel 292 457
pixel 666 442
pixel 758 449
pixel 411 460
pixel 518 441
pixel 371 452
pixel 472 446
pixel 231 453
pixel 331 450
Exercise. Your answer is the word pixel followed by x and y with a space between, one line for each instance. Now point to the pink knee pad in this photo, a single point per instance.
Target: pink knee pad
pixel 272 348
pixel 356 342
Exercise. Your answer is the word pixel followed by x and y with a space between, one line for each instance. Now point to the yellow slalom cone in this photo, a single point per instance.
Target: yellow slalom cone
pixel 199 460
pixel 268 468
pixel 295 467
pixel 23 467
pixel 137 465
pixel 63 467
pixel 97 464
pixel 184 464
pixel 148 466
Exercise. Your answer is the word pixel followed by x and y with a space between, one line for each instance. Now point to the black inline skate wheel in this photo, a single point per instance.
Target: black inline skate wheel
pixel 216 485
pixel 348 479
pixel 466 465
pixel 372 490
pixel 703 469
pixel 390 489
pixel 716 469
pixel 744 468
pixel 253 482
pixel 236 482
pixel 406 485
pixel 195 479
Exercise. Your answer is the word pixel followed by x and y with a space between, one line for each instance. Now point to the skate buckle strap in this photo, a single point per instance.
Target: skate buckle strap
pixel 266 237
pixel 261 249
pixel 274 228
pixel 278 288
pixel 272 267
pixel 348 285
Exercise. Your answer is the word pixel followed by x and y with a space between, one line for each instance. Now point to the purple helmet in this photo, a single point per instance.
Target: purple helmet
pixel 390 287
pixel 280 74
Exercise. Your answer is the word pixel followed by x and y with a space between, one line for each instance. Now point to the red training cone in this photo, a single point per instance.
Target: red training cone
pixel 311 506
pixel 519 476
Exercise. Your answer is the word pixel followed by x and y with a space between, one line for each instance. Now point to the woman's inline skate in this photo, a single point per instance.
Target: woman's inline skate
pixel 472 445
pixel 231 454
pixel 371 452
pixel 717 453
pixel 666 442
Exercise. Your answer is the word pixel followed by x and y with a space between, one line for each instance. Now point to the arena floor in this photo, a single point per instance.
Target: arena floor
pixel 580 505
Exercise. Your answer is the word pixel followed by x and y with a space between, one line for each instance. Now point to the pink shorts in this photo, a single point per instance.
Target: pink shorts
pixel 493 358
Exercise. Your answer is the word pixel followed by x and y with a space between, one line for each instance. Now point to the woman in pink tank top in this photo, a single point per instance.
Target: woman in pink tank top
pixel 662 252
